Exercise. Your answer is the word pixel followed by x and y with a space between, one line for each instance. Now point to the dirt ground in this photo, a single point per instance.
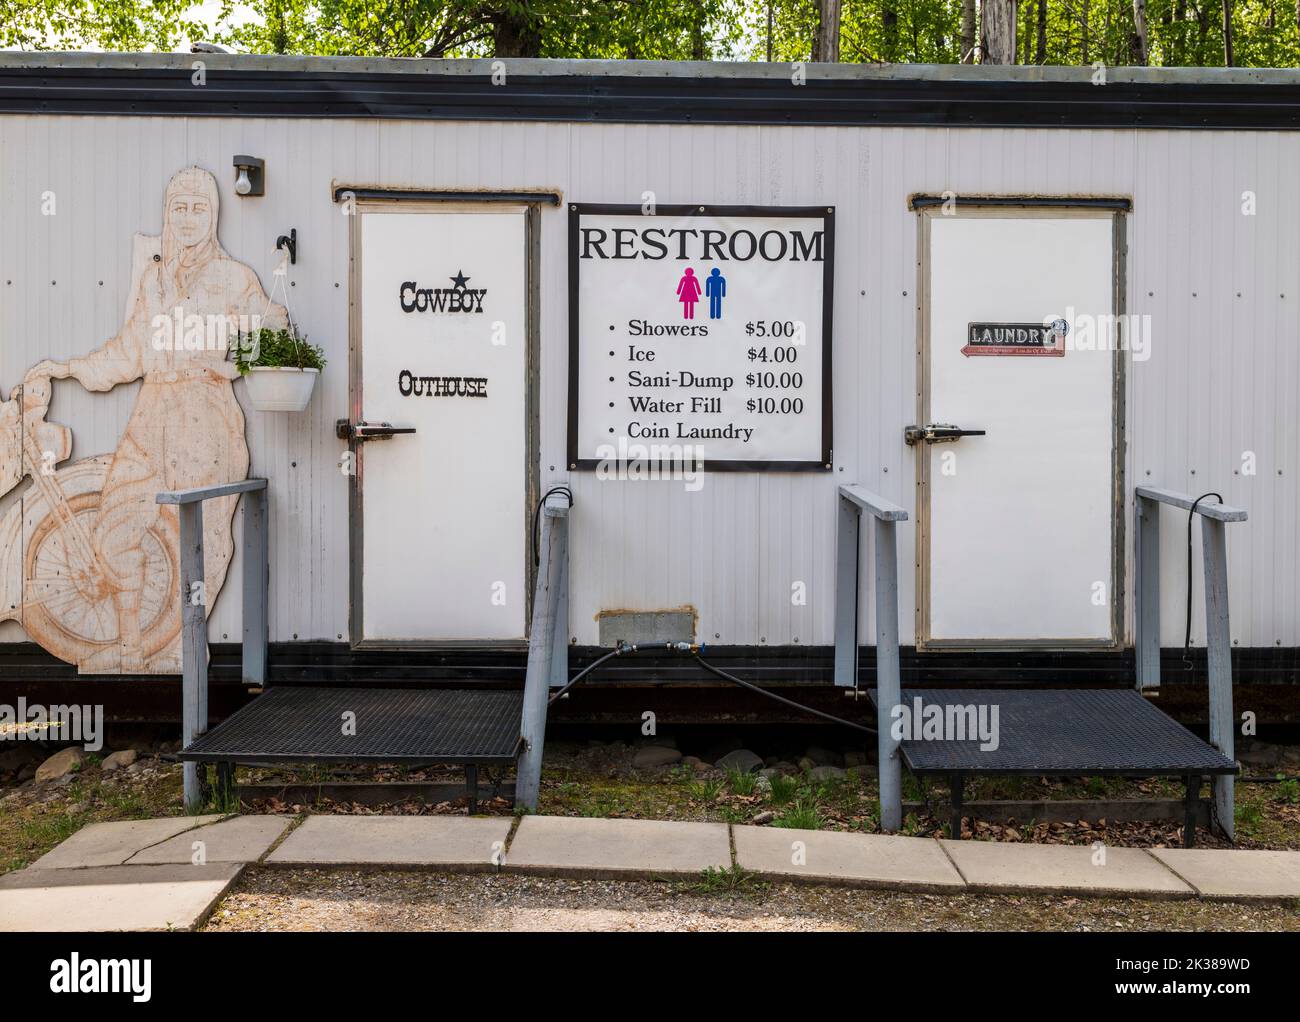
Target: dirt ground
pixel 312 900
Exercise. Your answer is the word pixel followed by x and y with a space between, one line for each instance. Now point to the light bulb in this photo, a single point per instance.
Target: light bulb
pixel 242 185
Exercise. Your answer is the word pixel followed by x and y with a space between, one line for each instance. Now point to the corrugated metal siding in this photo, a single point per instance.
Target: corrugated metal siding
pixel 1224 376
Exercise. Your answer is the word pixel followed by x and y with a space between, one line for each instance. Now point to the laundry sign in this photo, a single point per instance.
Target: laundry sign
pixel 1016 338
pixel 700 333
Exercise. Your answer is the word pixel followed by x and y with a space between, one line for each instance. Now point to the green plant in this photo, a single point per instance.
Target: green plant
pixel 707 790
pixel 783 789
pixel 267 348
pixel 1287 790
pixel 732 880
pixel 741 781
pixel 802 815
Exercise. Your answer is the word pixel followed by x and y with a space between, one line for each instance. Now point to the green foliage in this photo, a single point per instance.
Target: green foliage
pixel 1264 33
pixel 741 782
pixel 276 348
pixel 803 815
pixel 783 789
pixel 1287 790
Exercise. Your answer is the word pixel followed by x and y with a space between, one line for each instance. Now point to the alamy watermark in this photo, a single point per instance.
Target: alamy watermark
pixel 634 461
pixel 33 722
pixel 954 722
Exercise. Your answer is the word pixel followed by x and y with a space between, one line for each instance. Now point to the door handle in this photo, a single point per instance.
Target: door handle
pixel 937 433
pixel 363 431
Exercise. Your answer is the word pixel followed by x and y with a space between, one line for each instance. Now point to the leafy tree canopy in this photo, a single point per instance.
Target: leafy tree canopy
pixel 1263 33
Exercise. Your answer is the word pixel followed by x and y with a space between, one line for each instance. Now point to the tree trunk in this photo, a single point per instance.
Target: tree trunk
pixel 998 32
pixel 515 35
pixel 1227 33
pixel 968 31
pixel 1140 47
pixel 1040 56
pixel 826 42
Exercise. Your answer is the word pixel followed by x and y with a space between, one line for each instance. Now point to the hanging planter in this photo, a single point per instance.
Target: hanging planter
pixel 280 369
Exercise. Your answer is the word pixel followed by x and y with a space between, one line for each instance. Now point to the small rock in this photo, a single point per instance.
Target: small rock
pixel 762 784
pixel 806 764
pixel 1011 834
pixel 121 759
pixel 135 768
pixel 61 764
pixel 765 817
pixel 694 762
pixel 26 773
pixel 854 758
pixel 769 773
pixel 826 773
pixel 740 759
pixel 655 756
pixel 822 757
pixel 785 768
pixel 77 808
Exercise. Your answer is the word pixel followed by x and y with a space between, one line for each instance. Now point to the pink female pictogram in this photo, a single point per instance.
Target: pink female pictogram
pixel 688 293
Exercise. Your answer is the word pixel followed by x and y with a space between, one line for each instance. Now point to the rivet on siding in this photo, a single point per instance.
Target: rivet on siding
pixel 293 464
pixel 293 283
pixel 336 284
pixel 717 635
pixel 295 635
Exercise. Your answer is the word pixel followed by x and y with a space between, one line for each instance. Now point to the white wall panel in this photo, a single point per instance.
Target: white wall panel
pixel 1224 376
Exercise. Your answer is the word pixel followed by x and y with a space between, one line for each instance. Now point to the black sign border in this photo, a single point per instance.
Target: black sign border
pixel 827 214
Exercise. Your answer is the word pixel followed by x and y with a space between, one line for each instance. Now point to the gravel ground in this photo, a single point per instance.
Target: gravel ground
pixel 319 900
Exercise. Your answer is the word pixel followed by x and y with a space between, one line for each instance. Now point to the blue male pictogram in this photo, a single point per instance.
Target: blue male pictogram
pixel 715 288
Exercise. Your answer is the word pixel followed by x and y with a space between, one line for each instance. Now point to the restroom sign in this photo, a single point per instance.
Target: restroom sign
pixel 700 333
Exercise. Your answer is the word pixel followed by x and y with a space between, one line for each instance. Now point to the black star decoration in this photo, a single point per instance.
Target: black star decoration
pixel 460 280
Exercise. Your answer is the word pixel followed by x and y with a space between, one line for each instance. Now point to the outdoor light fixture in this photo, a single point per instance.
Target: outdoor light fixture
pixel 250 179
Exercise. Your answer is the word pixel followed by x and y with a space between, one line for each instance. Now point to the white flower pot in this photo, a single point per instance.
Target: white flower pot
pixel 280 388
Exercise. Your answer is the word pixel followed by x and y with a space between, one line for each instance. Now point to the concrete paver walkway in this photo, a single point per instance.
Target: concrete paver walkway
pixel 1063 869
pixel 102 898
pixel 570 845
pixel 1235 873
pixel 169 873
pixel 465 844
pixel 915 863
pixel 111 844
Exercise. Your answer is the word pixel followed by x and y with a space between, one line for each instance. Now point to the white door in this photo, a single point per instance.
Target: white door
pixel 1018 544
pixel 442 349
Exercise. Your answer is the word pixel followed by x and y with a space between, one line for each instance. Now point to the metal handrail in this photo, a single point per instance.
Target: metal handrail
pixel 194 618
pixel 853 501
pixel 548 645
pixel 1218 633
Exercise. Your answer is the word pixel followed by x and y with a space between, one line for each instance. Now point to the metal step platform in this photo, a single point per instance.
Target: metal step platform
pixel 1063 733
pixel 289 724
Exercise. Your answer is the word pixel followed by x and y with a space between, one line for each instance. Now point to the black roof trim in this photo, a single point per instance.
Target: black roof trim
pixel 926 100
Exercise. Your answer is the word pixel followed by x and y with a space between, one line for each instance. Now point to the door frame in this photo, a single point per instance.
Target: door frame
pixel 372 202
pixel 1003 207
